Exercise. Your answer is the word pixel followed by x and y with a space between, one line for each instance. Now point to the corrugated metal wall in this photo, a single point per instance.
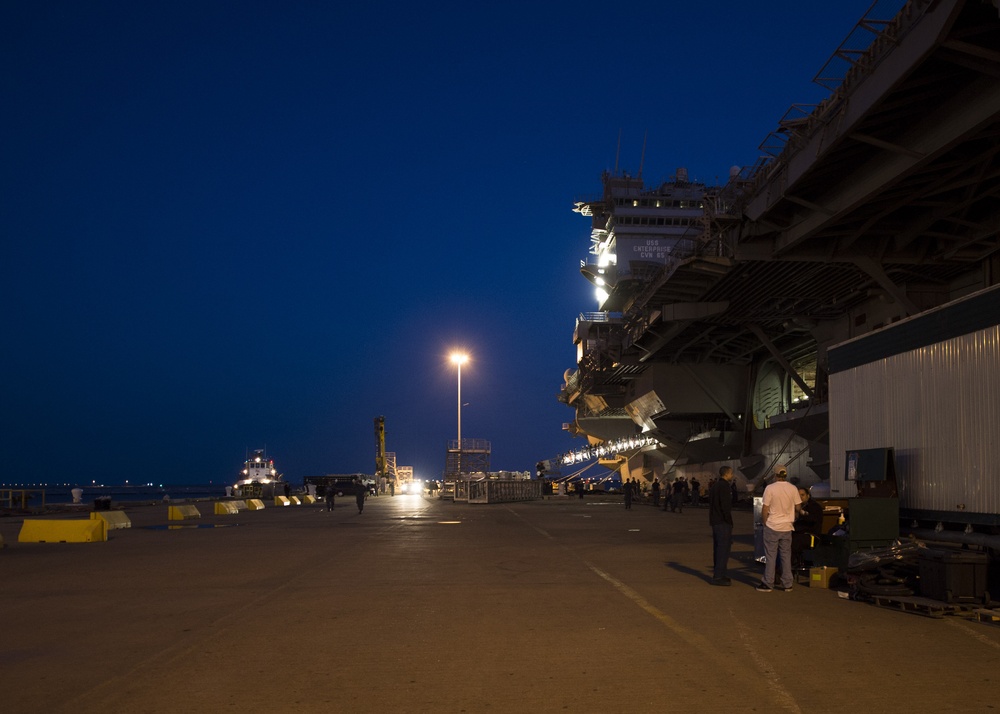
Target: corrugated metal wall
pixel 939 408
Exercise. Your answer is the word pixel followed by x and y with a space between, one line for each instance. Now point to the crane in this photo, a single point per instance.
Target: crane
pixel 379 449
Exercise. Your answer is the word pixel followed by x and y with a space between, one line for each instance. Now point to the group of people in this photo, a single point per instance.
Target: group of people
pixel 790 519
pixel 683 490
pixel 675 493
pixel 360 494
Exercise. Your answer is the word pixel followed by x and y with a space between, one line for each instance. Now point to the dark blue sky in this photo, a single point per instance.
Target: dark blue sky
pixel 227 225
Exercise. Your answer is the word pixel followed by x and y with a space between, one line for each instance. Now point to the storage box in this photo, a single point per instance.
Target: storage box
pixel 820 577
pixel 953 575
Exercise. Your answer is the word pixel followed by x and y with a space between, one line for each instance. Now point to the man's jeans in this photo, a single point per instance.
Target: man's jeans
pixel 777 546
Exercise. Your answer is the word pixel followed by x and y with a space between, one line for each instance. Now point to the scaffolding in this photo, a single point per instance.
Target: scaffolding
pixel 473 457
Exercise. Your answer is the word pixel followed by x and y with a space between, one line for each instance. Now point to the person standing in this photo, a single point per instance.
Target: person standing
pixel 720 517
pixel 695 491
pixel 331 495
pixel 808 525
pixel 656 492
pixel 627 490
pixel 677 499
pixel 781 499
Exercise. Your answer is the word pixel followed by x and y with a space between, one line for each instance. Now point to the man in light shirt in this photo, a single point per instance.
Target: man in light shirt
pixel 781 500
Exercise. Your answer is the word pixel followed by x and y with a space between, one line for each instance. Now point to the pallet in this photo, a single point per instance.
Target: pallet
pixel 925 606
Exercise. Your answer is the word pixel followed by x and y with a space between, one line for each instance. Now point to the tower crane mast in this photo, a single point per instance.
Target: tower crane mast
pixel 379 448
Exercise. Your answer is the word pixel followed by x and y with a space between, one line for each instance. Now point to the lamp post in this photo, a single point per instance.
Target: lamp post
pixel 458 359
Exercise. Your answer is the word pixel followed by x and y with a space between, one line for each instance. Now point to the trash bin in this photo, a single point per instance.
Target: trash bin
pixel 102 503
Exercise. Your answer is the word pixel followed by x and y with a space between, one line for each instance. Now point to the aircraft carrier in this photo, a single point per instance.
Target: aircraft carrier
pixel 718 306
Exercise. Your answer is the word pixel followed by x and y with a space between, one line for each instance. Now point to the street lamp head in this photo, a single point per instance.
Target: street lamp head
pixel 459 358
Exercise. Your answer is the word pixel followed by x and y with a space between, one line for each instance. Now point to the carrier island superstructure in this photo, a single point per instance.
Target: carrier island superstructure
pixel 718 307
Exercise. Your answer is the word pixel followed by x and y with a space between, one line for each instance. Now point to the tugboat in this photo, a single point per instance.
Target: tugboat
pixel 259 478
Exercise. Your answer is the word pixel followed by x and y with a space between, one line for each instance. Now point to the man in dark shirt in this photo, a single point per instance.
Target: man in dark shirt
pixel 677 501
pixel 720 517
pixel 360 493
pixel 809 523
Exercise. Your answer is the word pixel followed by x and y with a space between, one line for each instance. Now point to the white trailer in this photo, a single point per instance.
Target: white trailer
pixel 929 388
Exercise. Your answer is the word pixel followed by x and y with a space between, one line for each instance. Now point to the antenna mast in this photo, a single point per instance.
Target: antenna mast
pixel 618 151
pixel 642 157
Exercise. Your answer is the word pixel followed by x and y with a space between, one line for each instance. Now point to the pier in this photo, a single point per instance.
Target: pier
pixel 421 605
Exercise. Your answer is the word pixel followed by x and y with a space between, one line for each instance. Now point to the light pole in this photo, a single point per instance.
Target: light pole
pixel 458 359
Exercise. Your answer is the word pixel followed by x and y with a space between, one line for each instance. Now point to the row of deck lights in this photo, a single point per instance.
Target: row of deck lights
pixel 610 449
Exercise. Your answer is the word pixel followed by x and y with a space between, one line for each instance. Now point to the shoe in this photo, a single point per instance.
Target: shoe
pixel 782 589
pixel 762 588
pixel 721 581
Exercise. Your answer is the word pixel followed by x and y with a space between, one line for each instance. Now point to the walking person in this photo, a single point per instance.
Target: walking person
pixel 360 493
pixel 720 517
pixel 695 491
pixel 331 495
pixel 781 499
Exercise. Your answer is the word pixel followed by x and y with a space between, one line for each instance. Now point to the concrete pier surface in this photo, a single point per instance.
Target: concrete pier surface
pixel 418 605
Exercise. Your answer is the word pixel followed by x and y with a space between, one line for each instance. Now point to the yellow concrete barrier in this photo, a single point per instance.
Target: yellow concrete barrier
pixel 223 508
pixel 115 519
pixel 295 500
pixel 240 504
pixel 308 499
pixel 40 530
pixel 282 501
pixel 255 504
pixel 182 513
